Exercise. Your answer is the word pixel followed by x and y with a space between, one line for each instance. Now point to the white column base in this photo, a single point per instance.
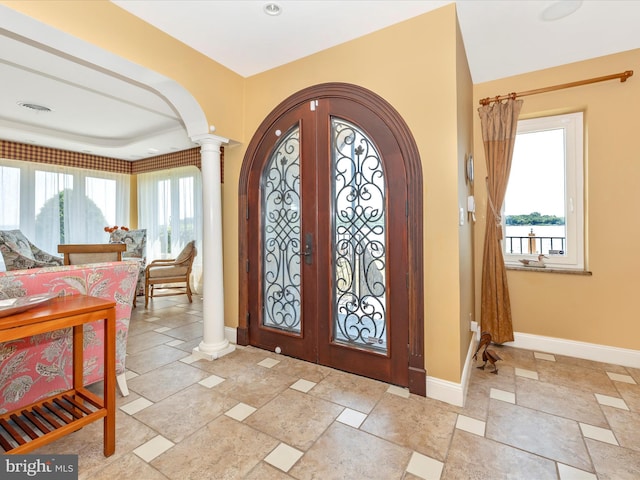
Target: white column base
pixel 213 352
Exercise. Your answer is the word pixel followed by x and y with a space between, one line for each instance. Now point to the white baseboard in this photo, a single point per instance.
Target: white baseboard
pixel 455 393
pixel 231 334
pixel 571 348
pixel 451 392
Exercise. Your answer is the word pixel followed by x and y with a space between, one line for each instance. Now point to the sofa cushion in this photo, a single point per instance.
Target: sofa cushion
pixel 15 241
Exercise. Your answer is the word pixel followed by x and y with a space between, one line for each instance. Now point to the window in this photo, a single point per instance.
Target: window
pixel 169 206
pixel 543 210
pixel 53 205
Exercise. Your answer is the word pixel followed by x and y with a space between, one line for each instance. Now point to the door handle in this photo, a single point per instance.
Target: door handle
pixel 308 248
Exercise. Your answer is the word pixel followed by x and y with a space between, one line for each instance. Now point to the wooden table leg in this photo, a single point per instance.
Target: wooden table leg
pixel 110 384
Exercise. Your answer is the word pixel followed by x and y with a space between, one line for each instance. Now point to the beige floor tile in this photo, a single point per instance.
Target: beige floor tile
pixel 560 400
pixel 153 448
pixel 630 394
pixel 181 414
pixel 301 369
pixel 283 457
pixel 425 467
pixel 144 341
pixel 625 426
pixel 471 425
pixel 264 471
pixel 295 418
pixel 166 381
pixel 621 377
pixel 614 463
pixel 222 449
pixel 152 358
pixel 255 386
pixel 474 457
pixel 352 418
pixel 611 401
pixel 565 472
pixel 303 385
pixel 136 406
pixel 268 362
pixel 186 332
pixel 587 379
pixel 524 373
pixel 580 362
pixel 346 453
pixel 502 395
pixel 598 433
pixel 412 423
pixel 544 356
pixel 129 466
pixel 547 435
pixel 351 391
pixel 240 412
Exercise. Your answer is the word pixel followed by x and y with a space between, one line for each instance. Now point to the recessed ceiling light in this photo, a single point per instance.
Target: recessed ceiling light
pixel 560 9
pixel 272 9
pixel 35 107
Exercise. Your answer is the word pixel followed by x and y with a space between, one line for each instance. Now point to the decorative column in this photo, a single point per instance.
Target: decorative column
pixel 214 344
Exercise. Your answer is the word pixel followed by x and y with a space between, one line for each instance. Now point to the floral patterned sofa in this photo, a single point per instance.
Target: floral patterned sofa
pixel 35 367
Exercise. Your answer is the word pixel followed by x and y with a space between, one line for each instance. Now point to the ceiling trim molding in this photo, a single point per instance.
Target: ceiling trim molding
pixel 40 35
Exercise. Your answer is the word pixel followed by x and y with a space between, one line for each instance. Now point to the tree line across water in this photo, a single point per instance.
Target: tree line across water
pixel 534 218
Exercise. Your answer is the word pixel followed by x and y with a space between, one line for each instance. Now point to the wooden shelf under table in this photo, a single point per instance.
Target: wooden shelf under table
pixel 32 426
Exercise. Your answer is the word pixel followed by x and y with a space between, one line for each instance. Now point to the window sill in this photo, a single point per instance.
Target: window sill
pixel 549 270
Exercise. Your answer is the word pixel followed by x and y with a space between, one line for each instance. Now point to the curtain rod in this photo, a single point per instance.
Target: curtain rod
pixel 622 76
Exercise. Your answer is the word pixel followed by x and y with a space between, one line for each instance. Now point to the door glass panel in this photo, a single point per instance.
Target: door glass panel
pixel 281 227
pixel 359 239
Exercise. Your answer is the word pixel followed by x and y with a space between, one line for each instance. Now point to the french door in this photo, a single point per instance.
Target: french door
pixel 327 239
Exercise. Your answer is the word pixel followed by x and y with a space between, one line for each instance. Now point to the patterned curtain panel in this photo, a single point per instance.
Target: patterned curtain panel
pixel 499 125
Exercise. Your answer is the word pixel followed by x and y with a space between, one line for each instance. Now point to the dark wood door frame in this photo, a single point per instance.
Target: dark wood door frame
pixel 415 281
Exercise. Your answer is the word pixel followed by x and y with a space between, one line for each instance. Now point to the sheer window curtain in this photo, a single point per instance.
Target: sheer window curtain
pixel 170 208
pixel 53 205
pixel 499 124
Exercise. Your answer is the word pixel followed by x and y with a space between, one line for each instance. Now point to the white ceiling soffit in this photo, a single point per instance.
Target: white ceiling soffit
pixel 91 111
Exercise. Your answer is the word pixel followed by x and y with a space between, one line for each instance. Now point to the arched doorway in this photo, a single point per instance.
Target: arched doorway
pixel 331 235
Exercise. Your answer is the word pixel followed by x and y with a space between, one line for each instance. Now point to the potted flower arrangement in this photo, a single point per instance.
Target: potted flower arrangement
pixel 110 230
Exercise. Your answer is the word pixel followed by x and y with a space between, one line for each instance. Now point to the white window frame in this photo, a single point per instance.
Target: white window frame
pixel 573 126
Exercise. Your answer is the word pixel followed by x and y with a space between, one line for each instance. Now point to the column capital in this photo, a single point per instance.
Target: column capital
pixel 209 140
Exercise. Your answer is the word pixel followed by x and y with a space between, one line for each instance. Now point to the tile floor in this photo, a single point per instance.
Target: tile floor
pixel 257 415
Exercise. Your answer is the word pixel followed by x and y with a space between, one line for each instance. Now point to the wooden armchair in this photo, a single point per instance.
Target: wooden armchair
pixel 81 254
pixel 170 274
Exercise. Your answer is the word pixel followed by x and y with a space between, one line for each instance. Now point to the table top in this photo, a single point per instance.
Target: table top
pixel 55 308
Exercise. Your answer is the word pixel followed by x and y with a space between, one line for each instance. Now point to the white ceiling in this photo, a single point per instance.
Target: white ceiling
pixel 100 114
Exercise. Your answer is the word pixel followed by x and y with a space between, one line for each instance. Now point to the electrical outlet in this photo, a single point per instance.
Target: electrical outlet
pixel 473 326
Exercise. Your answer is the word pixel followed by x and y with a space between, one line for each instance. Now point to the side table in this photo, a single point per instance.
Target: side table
pixel 35 425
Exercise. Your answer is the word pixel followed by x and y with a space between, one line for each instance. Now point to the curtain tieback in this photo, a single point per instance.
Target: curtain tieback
pixel 496 215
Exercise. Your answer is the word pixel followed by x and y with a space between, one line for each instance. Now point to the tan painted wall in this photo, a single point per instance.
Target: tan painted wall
pixel 466 231
pixel 601 308
pixel 413 66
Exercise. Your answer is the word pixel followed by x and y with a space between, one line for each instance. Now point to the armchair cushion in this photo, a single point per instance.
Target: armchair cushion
pixel 19 253
pixel 135 240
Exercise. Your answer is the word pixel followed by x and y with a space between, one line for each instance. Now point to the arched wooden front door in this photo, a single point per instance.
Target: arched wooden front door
pixel 327 238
